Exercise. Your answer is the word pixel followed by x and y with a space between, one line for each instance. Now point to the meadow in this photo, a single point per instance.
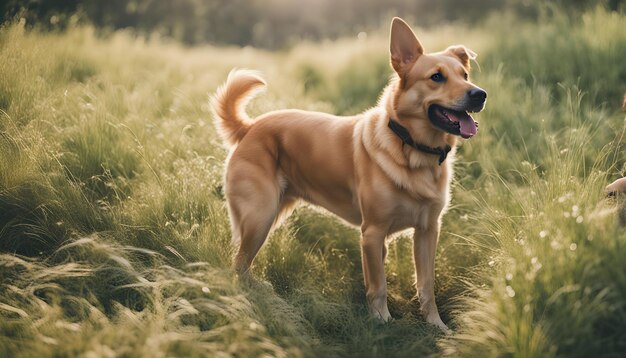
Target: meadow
pixel 114 235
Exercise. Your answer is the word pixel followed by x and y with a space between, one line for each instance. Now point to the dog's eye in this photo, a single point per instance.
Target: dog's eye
pixel 437 77
pixel 466 76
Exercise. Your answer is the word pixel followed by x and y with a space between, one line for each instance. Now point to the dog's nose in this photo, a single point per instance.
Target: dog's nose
pixel 477 95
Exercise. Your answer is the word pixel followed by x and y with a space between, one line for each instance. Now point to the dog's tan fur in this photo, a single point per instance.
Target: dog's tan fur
pixel 355 167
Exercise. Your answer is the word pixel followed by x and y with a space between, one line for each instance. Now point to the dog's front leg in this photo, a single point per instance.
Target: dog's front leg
pixel 424 250
pixel 372 250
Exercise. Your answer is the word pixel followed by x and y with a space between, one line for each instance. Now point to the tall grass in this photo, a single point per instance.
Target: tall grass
pixel 115 239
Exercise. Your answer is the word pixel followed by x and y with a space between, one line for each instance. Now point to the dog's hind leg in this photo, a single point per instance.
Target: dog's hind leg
pixel 251 219
pixel 254 200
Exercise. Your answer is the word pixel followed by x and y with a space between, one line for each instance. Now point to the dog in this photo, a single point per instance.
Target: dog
pixel 385 170
pixel 617 189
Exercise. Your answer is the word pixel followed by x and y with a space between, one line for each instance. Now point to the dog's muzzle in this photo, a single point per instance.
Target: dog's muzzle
pixel 476 100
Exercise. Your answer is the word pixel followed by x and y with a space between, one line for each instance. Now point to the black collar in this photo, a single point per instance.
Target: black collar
pixel 404 134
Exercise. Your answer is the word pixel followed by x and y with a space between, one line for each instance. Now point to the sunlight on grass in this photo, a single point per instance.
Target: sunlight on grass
pixel 115 237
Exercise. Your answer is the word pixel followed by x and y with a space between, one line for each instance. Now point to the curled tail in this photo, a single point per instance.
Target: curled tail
pixel 229 101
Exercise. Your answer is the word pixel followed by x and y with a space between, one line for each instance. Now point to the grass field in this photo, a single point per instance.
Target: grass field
pixel 114 237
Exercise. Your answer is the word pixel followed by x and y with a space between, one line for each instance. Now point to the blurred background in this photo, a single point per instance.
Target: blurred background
pixel 272 23
pixel 114 233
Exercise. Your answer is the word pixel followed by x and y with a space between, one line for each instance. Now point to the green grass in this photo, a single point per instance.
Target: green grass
pixel 114 237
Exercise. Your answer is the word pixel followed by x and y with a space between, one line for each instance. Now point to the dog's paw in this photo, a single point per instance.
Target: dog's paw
pixel 443 328
pixel 383 317
pixel 436 320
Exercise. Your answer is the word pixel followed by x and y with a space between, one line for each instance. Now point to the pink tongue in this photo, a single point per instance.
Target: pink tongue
pixel 468 126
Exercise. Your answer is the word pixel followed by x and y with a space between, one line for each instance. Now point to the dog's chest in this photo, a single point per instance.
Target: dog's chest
pixel 425 185
pixel 420 180
pixel 420 200
pixel 415 213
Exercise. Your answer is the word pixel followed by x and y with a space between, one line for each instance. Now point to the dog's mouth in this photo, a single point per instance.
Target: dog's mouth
pixel 453 122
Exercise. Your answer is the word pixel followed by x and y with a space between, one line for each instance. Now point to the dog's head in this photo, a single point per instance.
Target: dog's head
pixel 434 85
pixel 617 187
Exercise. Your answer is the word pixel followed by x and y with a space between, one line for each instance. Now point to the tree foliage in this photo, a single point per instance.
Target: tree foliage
pixel 266 23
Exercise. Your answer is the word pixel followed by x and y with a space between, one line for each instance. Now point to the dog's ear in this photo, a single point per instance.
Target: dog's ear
pixel 404 46
pixel 463 53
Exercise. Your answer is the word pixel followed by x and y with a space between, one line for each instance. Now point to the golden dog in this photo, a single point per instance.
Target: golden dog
pixel 385 170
